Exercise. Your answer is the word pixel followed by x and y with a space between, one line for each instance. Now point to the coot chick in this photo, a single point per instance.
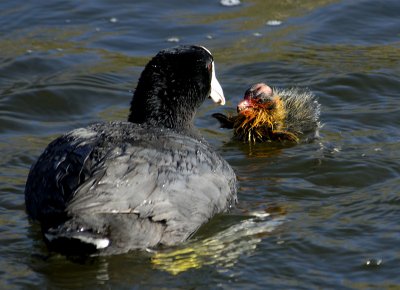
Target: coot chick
pixel 267 114
pixel 114 187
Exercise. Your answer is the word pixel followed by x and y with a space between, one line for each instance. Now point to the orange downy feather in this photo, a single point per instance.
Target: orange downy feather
pixel 263 122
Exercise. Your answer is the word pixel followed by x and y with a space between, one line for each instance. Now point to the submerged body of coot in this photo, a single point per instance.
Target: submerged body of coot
pixel 268 114
pixel 153 180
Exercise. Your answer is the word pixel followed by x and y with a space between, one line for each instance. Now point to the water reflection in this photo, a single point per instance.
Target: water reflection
pixel 223 249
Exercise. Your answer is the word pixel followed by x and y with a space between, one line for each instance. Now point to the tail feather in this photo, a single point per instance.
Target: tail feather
pixel 75 242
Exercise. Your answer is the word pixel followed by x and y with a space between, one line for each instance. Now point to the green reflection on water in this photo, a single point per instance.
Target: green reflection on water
pixel 114 113
pixel 223 249
pixel 256 12
pixel 346 58
pixel 276 46
pixel 281 43
pixel 248 48
pixel 59 42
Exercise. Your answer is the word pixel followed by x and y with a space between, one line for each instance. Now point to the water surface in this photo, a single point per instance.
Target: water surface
pixel 311 216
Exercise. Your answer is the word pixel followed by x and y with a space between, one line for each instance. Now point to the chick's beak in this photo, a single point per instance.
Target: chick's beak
pixel 217 94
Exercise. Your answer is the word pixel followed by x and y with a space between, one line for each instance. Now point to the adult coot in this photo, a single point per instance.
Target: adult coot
pixel 114 187
pixel 267 114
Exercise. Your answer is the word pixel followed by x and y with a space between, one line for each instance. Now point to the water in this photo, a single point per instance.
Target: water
pixel 311 216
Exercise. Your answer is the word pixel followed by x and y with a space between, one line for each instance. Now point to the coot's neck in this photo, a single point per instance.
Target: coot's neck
pixel 161 117
pixel 164 99
pixel 170 121
pixel 148 109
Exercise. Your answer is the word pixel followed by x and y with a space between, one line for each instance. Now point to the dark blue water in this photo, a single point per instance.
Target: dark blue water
pixel 312 216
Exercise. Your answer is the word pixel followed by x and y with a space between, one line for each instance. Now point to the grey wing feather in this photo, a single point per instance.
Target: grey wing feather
pixel 172 185
pixel 52 180
pixel 131 186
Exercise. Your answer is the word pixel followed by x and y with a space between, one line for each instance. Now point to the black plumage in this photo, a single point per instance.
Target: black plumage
pixel 114 187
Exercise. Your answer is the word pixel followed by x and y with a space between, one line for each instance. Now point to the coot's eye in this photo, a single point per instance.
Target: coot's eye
pixel 209 66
